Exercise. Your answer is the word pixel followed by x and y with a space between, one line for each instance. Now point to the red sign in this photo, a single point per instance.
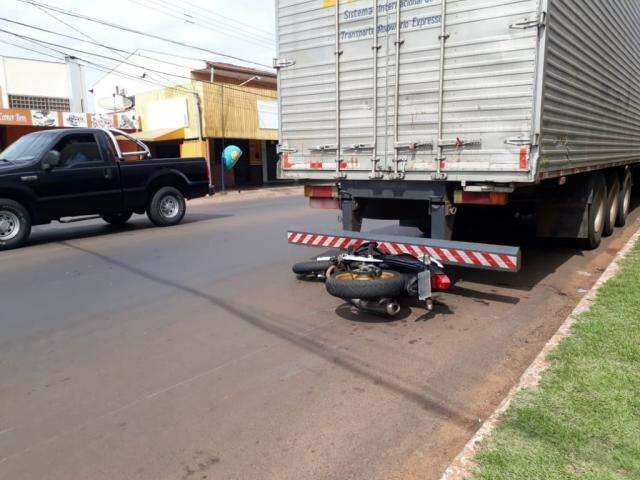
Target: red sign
pixel 15 116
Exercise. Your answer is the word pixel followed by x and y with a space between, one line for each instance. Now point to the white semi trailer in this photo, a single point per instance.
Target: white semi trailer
pixel 414 109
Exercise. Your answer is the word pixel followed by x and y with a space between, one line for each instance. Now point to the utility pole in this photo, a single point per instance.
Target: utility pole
pixel 223 128
pixel 77 87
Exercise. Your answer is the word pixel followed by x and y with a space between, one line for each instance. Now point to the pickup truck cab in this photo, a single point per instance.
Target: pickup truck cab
pixel 80 173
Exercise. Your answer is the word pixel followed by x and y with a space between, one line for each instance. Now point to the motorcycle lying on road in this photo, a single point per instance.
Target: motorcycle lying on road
pixel 374 281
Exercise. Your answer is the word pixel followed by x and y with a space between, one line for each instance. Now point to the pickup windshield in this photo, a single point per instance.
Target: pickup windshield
pixel 25 149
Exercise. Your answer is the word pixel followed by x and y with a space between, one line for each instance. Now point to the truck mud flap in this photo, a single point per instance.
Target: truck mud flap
pixel 461 254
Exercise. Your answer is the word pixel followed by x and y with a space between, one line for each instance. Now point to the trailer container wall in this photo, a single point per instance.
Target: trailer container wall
pixel 591 100
pixel 504 91
pixel 352 59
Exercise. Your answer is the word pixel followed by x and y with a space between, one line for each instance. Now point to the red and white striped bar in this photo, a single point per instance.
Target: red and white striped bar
pixel 472 255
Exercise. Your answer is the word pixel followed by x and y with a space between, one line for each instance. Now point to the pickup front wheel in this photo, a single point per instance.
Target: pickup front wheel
pixel 167 207
pixel 15 224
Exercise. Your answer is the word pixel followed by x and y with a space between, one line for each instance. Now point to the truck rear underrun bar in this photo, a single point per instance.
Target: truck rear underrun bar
pixel 462 254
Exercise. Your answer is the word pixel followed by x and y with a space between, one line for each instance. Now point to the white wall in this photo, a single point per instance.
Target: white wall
pixel 4 99
pixel 34 77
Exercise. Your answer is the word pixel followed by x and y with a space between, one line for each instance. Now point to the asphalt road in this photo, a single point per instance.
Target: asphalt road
pixel 193 353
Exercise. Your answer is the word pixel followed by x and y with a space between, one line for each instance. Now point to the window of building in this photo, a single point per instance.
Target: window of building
pixel 31 102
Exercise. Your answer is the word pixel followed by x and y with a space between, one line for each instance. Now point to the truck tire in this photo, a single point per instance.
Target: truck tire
pixel 349 285
pixel 117 219
pixel 167 207
pixel 309 268
pixel 597 213
pixel 15 224
pixel 624 203
pixel 613 202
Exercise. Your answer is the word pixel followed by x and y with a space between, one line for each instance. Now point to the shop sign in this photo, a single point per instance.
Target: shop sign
pixel 14 116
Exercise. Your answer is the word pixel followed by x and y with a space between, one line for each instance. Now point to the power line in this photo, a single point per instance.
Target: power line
pixel 188 20
pixel 266 33
pixel 51 45
pixel 188 12
pixel 178 89
pixel 100 68
pixel 32 50
pixel 175 12
pixel 167 54
pixel 93 40
pixel 115 49
pixel 139 32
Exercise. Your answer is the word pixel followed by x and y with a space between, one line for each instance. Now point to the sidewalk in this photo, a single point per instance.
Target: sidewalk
pixel 251 194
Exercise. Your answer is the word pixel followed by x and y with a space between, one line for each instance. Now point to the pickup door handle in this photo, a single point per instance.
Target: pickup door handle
pixel 108 174
pixel 29 178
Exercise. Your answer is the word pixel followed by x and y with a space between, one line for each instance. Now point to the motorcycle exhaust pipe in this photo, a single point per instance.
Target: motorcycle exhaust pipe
pixel 384 306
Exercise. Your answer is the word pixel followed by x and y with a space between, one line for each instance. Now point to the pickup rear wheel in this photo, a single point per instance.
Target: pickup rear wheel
pixel 167 207
pixel 15 224
pixel 117 219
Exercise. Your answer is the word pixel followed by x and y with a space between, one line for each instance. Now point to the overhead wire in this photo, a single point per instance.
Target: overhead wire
pixel 210 12
pixel 254 41
pixel 221 24
pixel 115 49
pixel 55 47
pixel 86 35
pixel 141 33
pixel 32 50
pixel 98 67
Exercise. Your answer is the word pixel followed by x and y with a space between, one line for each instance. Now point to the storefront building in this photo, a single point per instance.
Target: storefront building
pixel 37 95
pixel 223 105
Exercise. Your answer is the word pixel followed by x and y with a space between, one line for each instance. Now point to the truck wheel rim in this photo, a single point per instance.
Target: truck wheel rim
pixel 598 221
pixel 614 209
pixel 169 207
pixel 626 202
pixel 9 225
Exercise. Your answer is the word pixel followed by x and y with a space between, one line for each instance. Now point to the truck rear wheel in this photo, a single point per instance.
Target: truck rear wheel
pixel 624 203
pixel 597 213
pixel 15 224
pixel 167 207
pixel 613 203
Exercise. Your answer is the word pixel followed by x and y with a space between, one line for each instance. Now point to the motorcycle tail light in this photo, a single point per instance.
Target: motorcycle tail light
pixel 441 282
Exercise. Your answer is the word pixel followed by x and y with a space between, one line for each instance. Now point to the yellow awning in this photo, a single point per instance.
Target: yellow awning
pixel 160 135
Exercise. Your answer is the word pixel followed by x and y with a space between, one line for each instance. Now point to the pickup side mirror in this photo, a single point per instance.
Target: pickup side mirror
pixel 50 160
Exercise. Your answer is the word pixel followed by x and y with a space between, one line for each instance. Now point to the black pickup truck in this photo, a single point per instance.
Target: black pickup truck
pixel 78 173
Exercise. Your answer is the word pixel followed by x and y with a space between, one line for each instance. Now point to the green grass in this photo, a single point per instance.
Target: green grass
pixel 584 420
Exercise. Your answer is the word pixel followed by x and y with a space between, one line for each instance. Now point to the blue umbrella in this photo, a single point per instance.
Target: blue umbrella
pixel 230 156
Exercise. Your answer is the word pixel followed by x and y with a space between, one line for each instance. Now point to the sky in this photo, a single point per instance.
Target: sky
pixel 242 28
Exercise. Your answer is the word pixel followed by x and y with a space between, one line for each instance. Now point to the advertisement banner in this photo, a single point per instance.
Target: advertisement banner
pixel 73 119
pixel 48 118
pixel 44 118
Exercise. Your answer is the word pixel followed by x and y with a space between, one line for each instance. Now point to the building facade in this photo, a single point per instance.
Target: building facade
pixel 43 85
pixel 222 105
pixel 37 95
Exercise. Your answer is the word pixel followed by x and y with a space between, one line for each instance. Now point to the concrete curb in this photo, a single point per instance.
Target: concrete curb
pixel 244 195
pixel 463 466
